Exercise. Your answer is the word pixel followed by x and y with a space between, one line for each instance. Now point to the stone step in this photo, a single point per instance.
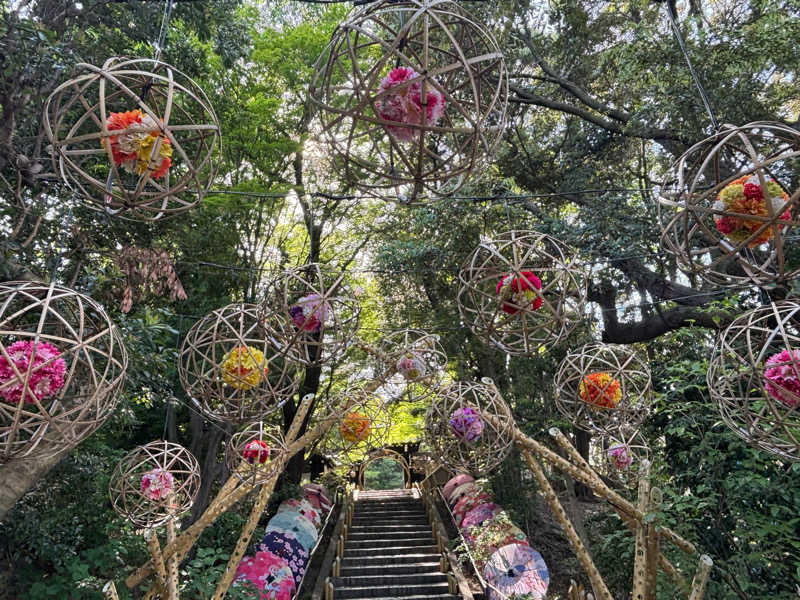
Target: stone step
pixel 392 528
pixel 388 580
pixel 360 569
pixel 390 550
pixel 385 558
pixel 362 535
pixel 377 542
pixel 418 520
pixel 415 512
pixel 399 591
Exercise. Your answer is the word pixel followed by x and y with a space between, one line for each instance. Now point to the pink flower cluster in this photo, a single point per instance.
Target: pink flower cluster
pixel 46 376
pixel 404 104
pixel 783 377
pixel 310 313
pixel 619 456
pixel 466 424
pixel 157 484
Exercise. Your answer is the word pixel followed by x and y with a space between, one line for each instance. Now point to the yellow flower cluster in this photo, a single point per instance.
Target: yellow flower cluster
pixel 243 367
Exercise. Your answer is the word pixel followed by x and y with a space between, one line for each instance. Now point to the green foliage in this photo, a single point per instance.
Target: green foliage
pixel 203 572
pixel 384 474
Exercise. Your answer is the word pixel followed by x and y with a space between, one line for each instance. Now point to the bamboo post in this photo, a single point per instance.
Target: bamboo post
pixel 652 541
pixel 172 563
pixel 110 591
pixel 701 578
pixel 258 508
pixel 640 559
pixel 598 585
pixel 155 552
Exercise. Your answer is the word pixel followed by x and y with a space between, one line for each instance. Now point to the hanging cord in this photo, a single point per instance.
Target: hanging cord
pixel 161 43
pixel 61 244
pixel 673 22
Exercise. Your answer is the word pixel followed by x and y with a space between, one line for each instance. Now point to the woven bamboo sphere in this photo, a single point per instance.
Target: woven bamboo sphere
pixel 362 427
pixel 522 291
pixel 602 387
pixel 729 211
pixel 228 365
pixel 754 377
pixel 310 314
pixel 252 454
pixel 458 434
pixel 62 366
pixel 415 361
pixel 382 66
pixel 145 165
pixel 154 483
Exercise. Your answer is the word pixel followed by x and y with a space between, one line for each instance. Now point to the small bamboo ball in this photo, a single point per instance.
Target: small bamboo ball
pixel 602 387
pixel 413 364
pixel 754 377
pixel 136 137
pixel 62 366
pixel 154 483
pixel 729 208
pixel 253 453
pixel 362 426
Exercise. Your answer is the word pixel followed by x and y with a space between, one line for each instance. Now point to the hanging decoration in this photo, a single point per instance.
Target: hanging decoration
pixel 415 362
pixel 136 137
pixel 310 315
pixel 522 291
pixel 227 365
pixel 753 378
pixel 474 444
pixel 253 453
pixel 728 210
pixel 412 97
pixel 154 483
pixel 602 387
pixel 363 426
pixel 62 365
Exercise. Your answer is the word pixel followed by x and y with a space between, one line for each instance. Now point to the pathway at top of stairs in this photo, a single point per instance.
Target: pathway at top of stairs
pixel 390 551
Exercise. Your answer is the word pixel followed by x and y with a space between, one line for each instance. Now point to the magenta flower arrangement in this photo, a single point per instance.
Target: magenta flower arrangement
pixel 46 377
pixel 157 484
pixel 466 424
pixel 403 103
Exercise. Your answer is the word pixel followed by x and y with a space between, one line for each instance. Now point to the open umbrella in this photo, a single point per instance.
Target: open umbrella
pixel 318 499
pixel 304 507
pixel 460 491
pixel 269 574
pixel 479 514
pixel 456 481
pixel 294 525
pixel 467 503
pixel 289 549
pixel 516 570
pixel 492 535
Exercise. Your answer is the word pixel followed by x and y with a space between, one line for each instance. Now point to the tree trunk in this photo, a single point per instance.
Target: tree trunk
pixel 18 476
pixel 582 440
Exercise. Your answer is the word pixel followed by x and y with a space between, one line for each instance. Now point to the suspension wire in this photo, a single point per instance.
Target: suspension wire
pixel 673 22
pixel 160 44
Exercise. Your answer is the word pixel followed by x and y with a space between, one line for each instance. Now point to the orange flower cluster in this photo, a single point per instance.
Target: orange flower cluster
pixel 355 427
pixel 600 390
pixel 132 149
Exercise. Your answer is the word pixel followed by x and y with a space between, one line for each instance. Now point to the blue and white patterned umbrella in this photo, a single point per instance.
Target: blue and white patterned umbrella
pixel 294 525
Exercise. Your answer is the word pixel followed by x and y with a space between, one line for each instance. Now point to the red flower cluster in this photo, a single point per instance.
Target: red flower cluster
pixel 519 293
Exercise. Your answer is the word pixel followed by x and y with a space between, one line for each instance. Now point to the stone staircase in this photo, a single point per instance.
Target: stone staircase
pixel 390 551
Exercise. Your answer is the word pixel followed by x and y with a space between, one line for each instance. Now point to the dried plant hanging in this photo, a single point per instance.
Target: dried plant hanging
pixel 136 137
pixel 62 365
pixel 729 210
pixel 148 271
pixel 412 97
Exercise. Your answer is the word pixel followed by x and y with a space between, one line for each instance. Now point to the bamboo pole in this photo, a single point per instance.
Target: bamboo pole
pixel 598 585
pixel 110 591
pixel 258 508
pixel 701 578
pixel 154 547
pixel 172 563
pixel 640 559
pixel 653 543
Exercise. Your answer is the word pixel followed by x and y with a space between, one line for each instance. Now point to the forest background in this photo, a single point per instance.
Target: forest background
pixel 601 99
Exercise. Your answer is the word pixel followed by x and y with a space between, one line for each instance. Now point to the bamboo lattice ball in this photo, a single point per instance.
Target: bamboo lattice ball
pixel 363 423
pixel 252 454
pixel 603 387
pixel 754 377
pixel 415 362
pixel 729 209
pixel 310 314
pixel 154 483
pixel 522 291
pixel 62 366
pixel 620 456
pixel 136 137
pixel 458 432
pixel 228 365
pixel 382 66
